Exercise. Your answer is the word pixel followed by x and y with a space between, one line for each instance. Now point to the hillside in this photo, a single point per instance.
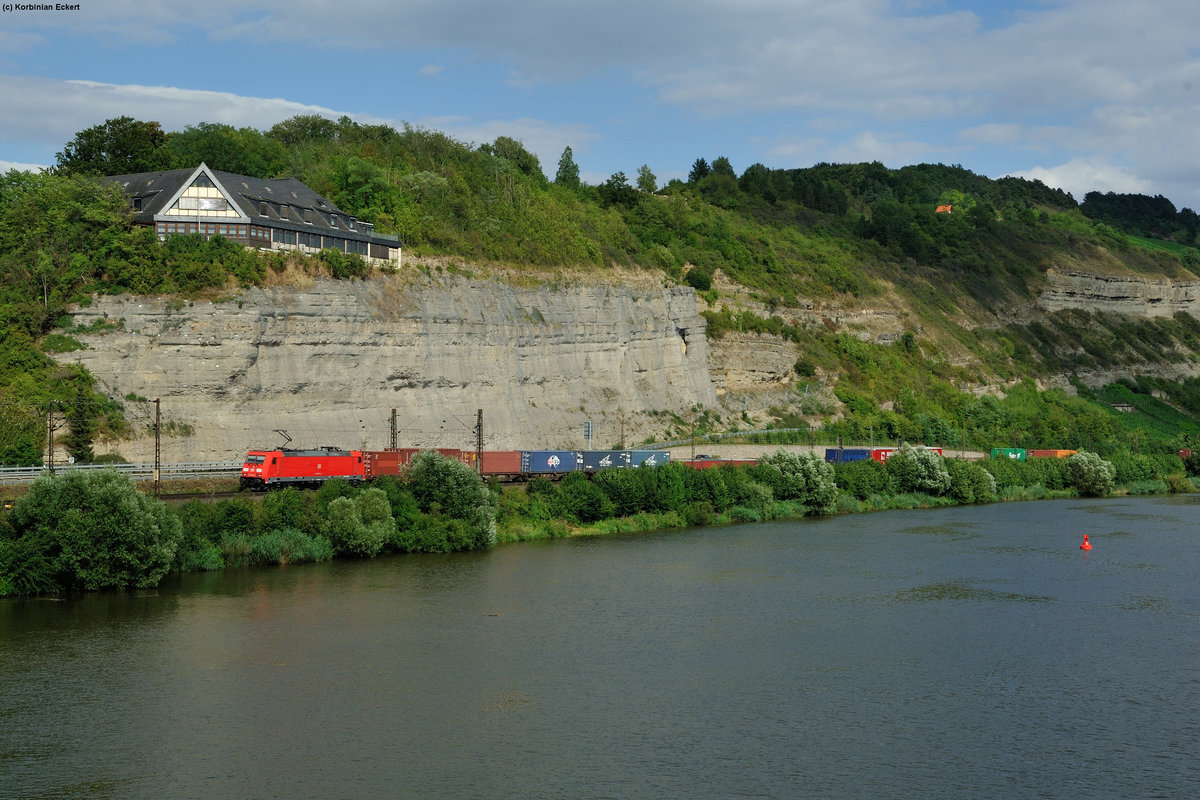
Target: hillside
pixel 835 296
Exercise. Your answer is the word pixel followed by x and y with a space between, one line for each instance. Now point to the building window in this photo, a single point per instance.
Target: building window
pixel 262 207
pixel 308 216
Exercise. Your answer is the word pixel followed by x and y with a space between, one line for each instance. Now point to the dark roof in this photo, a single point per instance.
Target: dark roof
pixel 276 202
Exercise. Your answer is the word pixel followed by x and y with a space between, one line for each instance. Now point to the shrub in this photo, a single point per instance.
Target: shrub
pixel 93 531
pixel 861 479
pixel 448 486
pixel 803 477
pixel 580 499
pixel 918 470
pixel 349 534
pixel 1091 475
pixel 970 483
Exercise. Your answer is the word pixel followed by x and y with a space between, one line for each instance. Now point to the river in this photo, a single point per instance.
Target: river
pixel 959 653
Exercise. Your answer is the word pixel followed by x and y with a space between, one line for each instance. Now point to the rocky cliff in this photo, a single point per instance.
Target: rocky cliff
pixel 1132 295
pixel 328 361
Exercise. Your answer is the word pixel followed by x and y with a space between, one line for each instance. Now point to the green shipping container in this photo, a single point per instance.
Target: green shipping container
pixel 1015 453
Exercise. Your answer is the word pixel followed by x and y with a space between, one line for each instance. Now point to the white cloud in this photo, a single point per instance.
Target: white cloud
pixel 431 70
pixel 1080 176
pixel 5 166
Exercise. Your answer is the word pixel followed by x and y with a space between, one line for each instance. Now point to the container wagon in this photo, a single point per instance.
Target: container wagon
pixel 839 455
pixel 1051 453
pixel 1011 453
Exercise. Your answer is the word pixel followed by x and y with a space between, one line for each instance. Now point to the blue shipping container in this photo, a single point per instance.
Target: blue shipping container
pixel 541 462
pixel 650 458
pixel 596 460
pixel 839 454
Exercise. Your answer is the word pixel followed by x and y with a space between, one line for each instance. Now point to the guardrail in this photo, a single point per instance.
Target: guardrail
pixel 136 472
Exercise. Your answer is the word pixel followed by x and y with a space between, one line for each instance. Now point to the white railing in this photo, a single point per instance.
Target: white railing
pixel 138 472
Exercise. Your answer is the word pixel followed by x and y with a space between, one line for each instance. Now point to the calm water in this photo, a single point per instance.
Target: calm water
pixel 963 653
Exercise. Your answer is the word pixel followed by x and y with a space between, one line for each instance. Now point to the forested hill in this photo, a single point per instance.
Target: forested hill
pixel 959 257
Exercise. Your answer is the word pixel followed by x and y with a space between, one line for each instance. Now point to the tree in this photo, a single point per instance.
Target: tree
pixel 449 487
pixel 919 470
pixel 244 151
pixel 616 191
pixel 721 166
pixel 646 181
pixel 81 419
pixel 515 153
pixel 94 530
pixel 700 170
pixel 119 146
pixel 805 478
pixel 1090 474
pixel 568 170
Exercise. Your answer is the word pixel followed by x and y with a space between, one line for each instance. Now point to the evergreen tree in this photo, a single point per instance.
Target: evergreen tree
pixel 700 170
pixel 82 421
pixel 568 170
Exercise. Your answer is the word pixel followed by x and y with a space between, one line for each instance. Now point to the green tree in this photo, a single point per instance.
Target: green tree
pixel 1090 475
pixel 646 180
pixel 568 170
pixel 119 146
pixel 244 151
pixel 94 531
pixel 81 421
pixel 918 470
pixel 700 171
pixel 805 478
pixel 616 191
pixel 348 533
pixel 449 487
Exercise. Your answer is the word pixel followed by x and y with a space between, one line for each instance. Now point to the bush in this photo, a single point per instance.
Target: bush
pixel 970 483
pixel 93 531
pixel 918 470
pixel 1091 475
pixel 581 500
pixel 449 487
pixel 349 534
pixel 861 479
pixel 803 477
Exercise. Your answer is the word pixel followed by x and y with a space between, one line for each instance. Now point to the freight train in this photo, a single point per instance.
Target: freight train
pixel 837 455
pixel 266 469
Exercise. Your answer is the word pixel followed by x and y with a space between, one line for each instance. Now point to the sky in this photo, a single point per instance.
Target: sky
pixel 1085 95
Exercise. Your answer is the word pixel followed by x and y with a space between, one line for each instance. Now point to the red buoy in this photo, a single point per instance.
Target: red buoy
pixel 1086 544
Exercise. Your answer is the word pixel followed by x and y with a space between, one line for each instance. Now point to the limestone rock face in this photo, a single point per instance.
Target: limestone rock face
pixel 328 362
pixel 1119 294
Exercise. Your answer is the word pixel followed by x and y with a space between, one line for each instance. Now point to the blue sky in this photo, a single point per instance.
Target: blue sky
pixel 1083 94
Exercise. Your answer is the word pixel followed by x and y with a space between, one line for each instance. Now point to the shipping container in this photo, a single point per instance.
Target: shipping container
pixel 597 460
pixel 550 462
pixel 710 463
pixel 837 455
pixel 1012 453
pixel 502 463
pixel 648 458
pixel 392 460
pixel 1185 452
pixel 1051 453
pixel 884 453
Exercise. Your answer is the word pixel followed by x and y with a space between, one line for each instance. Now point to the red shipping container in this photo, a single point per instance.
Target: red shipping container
pixel 501 462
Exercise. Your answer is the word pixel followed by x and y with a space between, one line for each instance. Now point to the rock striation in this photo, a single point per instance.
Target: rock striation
pixel 329 361
pixel 1119 294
